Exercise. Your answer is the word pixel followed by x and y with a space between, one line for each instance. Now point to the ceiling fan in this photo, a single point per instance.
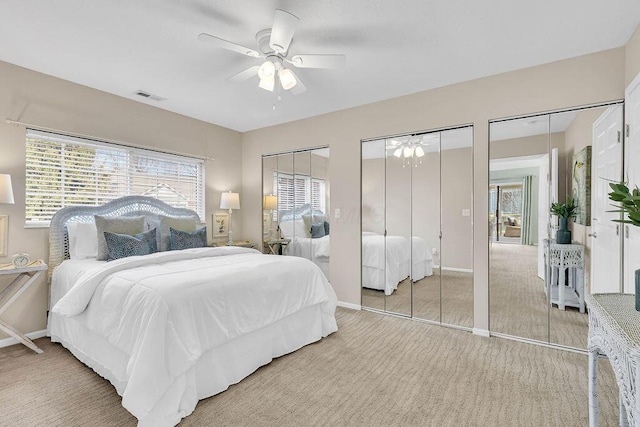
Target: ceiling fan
pixel 273 45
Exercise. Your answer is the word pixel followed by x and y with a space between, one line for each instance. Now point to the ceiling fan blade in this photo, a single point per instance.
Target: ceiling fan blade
pixel 218 42
pixel 284 25
pixel 244 75
pixel 319 61
pixel 299 87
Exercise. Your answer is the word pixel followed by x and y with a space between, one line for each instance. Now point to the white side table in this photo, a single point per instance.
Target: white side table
pixel 614 331
pixel 563 257
pixel 26 276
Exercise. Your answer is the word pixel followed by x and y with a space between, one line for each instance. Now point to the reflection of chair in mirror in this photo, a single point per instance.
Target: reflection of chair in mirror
pixel 512 227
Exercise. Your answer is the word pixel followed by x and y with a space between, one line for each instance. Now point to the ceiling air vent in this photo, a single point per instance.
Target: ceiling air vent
pixel 149 95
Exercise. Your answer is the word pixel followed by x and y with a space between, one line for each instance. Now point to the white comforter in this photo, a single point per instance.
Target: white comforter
pixel 309 248
pixel 166 309
pixel 394 259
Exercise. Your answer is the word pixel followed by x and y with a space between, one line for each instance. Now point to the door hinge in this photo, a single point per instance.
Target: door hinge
pixel 440 234
pixel 627 129
pixel 617 229
pixel 626 231
pixel 619 134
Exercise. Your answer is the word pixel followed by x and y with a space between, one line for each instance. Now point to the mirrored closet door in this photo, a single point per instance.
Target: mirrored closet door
pixel 296 191
pixel 537 282
pixel 416 225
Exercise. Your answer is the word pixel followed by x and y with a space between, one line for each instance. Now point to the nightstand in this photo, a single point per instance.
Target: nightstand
pixel 14 290
pixel 240 243
pixel 276 246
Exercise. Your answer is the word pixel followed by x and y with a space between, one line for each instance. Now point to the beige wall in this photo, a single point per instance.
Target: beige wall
pixel 420 199
pixel 632 57
pixel 54 103
pixel 577 81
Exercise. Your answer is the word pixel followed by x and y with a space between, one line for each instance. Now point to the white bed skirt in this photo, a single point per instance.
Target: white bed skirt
pixel 214 371
pixel 374 278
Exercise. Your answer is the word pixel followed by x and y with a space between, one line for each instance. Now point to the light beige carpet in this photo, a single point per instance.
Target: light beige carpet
pixel 376 371
pixel 518 303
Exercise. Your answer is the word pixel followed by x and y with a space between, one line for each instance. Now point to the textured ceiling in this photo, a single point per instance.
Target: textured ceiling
pixel 393 48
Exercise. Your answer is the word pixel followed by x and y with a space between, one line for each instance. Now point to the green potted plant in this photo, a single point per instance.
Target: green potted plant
pixel 564 211
pixel 628 203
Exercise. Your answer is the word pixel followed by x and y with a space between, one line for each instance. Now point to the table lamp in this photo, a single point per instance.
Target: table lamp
pixel 230 201
pixel 270 203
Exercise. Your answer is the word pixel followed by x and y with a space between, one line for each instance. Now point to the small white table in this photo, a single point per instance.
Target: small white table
pixel 276 246
pixel 25 277
pixel 563 257
pixel 614 331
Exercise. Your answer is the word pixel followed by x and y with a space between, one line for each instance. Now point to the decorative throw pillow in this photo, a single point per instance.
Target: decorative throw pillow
pixel 124 245
pixel 177 223
pixel 317 230
pixel 312 219
pixel 130 225
pixel 83 240
pixel 326 228
pixel 179 240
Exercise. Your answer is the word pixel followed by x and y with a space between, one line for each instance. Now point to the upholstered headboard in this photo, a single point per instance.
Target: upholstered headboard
pixel 148 207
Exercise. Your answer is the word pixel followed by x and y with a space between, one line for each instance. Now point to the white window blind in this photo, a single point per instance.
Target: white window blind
pixel 294 191
pixel 68 171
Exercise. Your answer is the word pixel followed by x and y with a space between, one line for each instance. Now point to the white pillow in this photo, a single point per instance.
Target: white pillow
pixel 83 240
pixel 290 229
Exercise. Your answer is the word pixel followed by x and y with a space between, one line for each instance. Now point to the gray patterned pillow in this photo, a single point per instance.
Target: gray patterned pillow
pixel 124 245
pixel 317 230
pixel 167 222
pixel 130 225
pixel 179 240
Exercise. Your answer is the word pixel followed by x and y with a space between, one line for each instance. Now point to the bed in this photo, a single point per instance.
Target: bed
pixel 173 327
pixel 385 261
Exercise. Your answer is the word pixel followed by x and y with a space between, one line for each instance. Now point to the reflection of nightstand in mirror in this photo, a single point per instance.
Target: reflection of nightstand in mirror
pixel 240 243
pixel 275 246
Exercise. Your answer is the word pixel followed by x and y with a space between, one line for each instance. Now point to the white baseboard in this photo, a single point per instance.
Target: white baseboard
pixel 31 335
pixel 462 270
pixel 349 305
pixel 481 332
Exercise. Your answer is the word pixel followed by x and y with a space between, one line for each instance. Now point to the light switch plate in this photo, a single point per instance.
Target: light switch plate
pixel 466 212
pixel 337 214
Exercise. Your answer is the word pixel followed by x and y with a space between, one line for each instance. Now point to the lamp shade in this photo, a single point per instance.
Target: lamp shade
pixel 229 200
pixel 270 202
pixel 6 189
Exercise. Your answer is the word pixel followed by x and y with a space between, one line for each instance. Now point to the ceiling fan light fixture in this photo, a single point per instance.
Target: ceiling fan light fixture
pixel 419 151
pixel 408 151
pixel 287 79
pixel 267 70
pixel 267 83
pixel 398 152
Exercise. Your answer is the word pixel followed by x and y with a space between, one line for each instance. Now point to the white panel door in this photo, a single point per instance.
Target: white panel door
pixel 607 167
pixel 632 233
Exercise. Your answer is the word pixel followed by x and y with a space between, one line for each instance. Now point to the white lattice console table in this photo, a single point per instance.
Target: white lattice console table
pixel 614 331
pixel 560 258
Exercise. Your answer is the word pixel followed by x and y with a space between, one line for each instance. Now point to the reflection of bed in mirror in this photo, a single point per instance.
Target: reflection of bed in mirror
pixel 385 273
pixel 295 225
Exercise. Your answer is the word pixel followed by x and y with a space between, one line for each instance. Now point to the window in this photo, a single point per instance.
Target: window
pixel 68 171
pixel 294 191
